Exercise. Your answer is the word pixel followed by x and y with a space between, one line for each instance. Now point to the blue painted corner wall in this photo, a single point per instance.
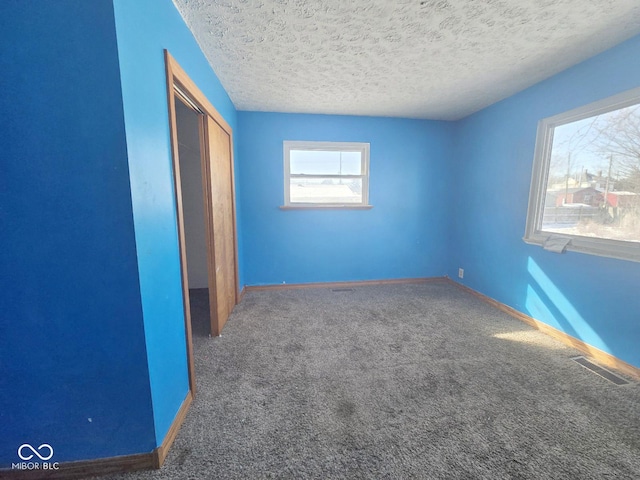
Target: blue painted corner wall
pixel 73 370
pixel 592 298
pixel 400 237
pixel 144 29
pixel 445 195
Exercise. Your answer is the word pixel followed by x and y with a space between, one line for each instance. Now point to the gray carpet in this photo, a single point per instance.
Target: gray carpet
pixel 407 381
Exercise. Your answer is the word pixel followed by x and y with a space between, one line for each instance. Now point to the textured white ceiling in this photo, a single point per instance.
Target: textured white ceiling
pixel 437 59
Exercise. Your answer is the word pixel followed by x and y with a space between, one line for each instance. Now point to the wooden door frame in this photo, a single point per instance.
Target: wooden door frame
pixel 179 84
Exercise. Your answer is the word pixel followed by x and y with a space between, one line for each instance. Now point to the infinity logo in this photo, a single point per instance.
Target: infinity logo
pixel 29 456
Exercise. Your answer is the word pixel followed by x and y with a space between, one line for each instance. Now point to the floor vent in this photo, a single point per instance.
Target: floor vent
pixel 342 289
pixel 604 373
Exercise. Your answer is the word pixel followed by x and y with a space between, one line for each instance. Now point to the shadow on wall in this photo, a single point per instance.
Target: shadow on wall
pixel 546 302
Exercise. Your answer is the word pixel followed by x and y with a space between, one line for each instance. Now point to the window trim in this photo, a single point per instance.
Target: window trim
pixel 363 148
pixel 539 175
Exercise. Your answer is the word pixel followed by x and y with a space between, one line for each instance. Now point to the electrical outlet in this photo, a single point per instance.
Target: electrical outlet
pixel 461 273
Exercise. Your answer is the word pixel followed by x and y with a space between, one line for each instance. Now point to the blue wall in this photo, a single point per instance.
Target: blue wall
pixel 144 28
pixel 591 298
pixel 400 237
pixel 72 351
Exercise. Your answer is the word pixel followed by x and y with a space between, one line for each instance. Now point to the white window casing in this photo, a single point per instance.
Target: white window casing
pixel 534 232
pixel 314 177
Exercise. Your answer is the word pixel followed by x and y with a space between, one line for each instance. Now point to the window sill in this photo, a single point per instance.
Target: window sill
pixel 593 246
pixel 326 207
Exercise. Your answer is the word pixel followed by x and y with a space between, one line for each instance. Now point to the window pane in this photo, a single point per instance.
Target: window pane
pixel 314 162
pixel 325 190
pixel 593 186
pixel 350 163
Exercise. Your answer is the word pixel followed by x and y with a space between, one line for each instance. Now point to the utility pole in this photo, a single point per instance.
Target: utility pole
pixel 606 188
pixel 566 187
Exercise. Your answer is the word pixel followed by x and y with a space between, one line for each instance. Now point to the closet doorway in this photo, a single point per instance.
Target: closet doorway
pixel 202 148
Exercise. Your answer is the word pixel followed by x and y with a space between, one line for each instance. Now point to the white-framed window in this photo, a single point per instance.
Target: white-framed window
pixel 585 185
pixel 326 174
